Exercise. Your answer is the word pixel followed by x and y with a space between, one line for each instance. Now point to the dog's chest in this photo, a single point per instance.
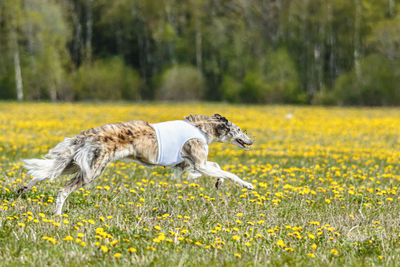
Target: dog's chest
pixel 171 136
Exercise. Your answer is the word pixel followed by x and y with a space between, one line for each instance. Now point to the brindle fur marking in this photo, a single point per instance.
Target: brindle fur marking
pixel 88 153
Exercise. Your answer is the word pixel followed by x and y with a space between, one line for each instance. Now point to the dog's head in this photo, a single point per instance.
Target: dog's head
pixel 228 132
pixel 219 129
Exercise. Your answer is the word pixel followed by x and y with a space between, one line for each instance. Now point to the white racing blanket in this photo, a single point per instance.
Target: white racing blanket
pixel 171 136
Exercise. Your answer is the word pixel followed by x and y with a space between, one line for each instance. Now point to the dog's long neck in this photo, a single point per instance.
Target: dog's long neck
pixel 206 124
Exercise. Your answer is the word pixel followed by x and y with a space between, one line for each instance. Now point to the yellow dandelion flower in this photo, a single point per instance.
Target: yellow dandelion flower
pixel 113 243
pixel 68 238
pixel 280 243
pixel 236 237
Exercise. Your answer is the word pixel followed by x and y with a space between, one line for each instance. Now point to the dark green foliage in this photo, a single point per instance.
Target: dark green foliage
pixel 273 79
pixel 286 51
pixel 108 79
pixel 181 83
pixel 377 83
pixel 282 79
pixel 230 89
pixel 7 84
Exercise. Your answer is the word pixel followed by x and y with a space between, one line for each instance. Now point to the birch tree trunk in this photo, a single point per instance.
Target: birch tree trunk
pixel 170 44
pixel 356 52
pixel 318 67
pixel 18 76
pixel 14 18
pixel 391 8
pixel 198 45
pixel 332 67
pixel 89 31
pixel 53 93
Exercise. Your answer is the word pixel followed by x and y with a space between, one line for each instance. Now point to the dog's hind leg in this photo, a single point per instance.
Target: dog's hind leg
pixel 72 185
pixel 71 168
pixel 80 180
pixel 58 160
pixel 29 186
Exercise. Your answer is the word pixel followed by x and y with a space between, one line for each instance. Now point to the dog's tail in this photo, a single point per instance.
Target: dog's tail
pixel 58 161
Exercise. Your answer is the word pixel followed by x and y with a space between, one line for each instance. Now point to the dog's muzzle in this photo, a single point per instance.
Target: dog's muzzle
pixel 242 142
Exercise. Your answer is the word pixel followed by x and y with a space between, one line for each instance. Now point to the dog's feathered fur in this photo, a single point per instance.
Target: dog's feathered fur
pixel 89 152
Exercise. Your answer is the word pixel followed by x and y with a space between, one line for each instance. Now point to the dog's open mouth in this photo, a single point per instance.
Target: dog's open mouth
pixel 241 142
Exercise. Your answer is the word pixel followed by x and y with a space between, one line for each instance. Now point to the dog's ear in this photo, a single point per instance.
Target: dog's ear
pixel 220 118
pixel 217 116
pixel 189 118
pixel 221 129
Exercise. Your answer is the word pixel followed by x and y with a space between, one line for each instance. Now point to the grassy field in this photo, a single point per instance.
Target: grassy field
pixel 327 182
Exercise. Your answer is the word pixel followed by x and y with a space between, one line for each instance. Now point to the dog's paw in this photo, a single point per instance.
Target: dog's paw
pixel 22 190
pixel 219 183
pixel 248 186
pixel 194 175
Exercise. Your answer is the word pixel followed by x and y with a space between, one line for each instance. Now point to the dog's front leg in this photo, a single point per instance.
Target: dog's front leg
pixel 209 168
pixel 220 180
pixel 193 175
pixel 184 167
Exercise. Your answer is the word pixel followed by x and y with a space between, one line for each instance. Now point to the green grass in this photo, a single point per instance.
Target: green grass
pixel 319 190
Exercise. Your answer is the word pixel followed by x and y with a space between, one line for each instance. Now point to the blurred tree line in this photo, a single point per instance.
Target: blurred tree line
pixel 254 51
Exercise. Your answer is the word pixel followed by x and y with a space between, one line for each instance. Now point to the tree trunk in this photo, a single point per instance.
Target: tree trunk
pixel 77 55
pixel 53 92
pixel 356 52
pixel 391 8
pixel 198 45
pixel 318 67
pixel 332 67
pixel 14 21
pixel 89 31
pixel 307 56
pixel 170 44
pixel 18 76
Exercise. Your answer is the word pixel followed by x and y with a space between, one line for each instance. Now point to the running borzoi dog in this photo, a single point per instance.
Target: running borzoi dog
pixel 182 144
